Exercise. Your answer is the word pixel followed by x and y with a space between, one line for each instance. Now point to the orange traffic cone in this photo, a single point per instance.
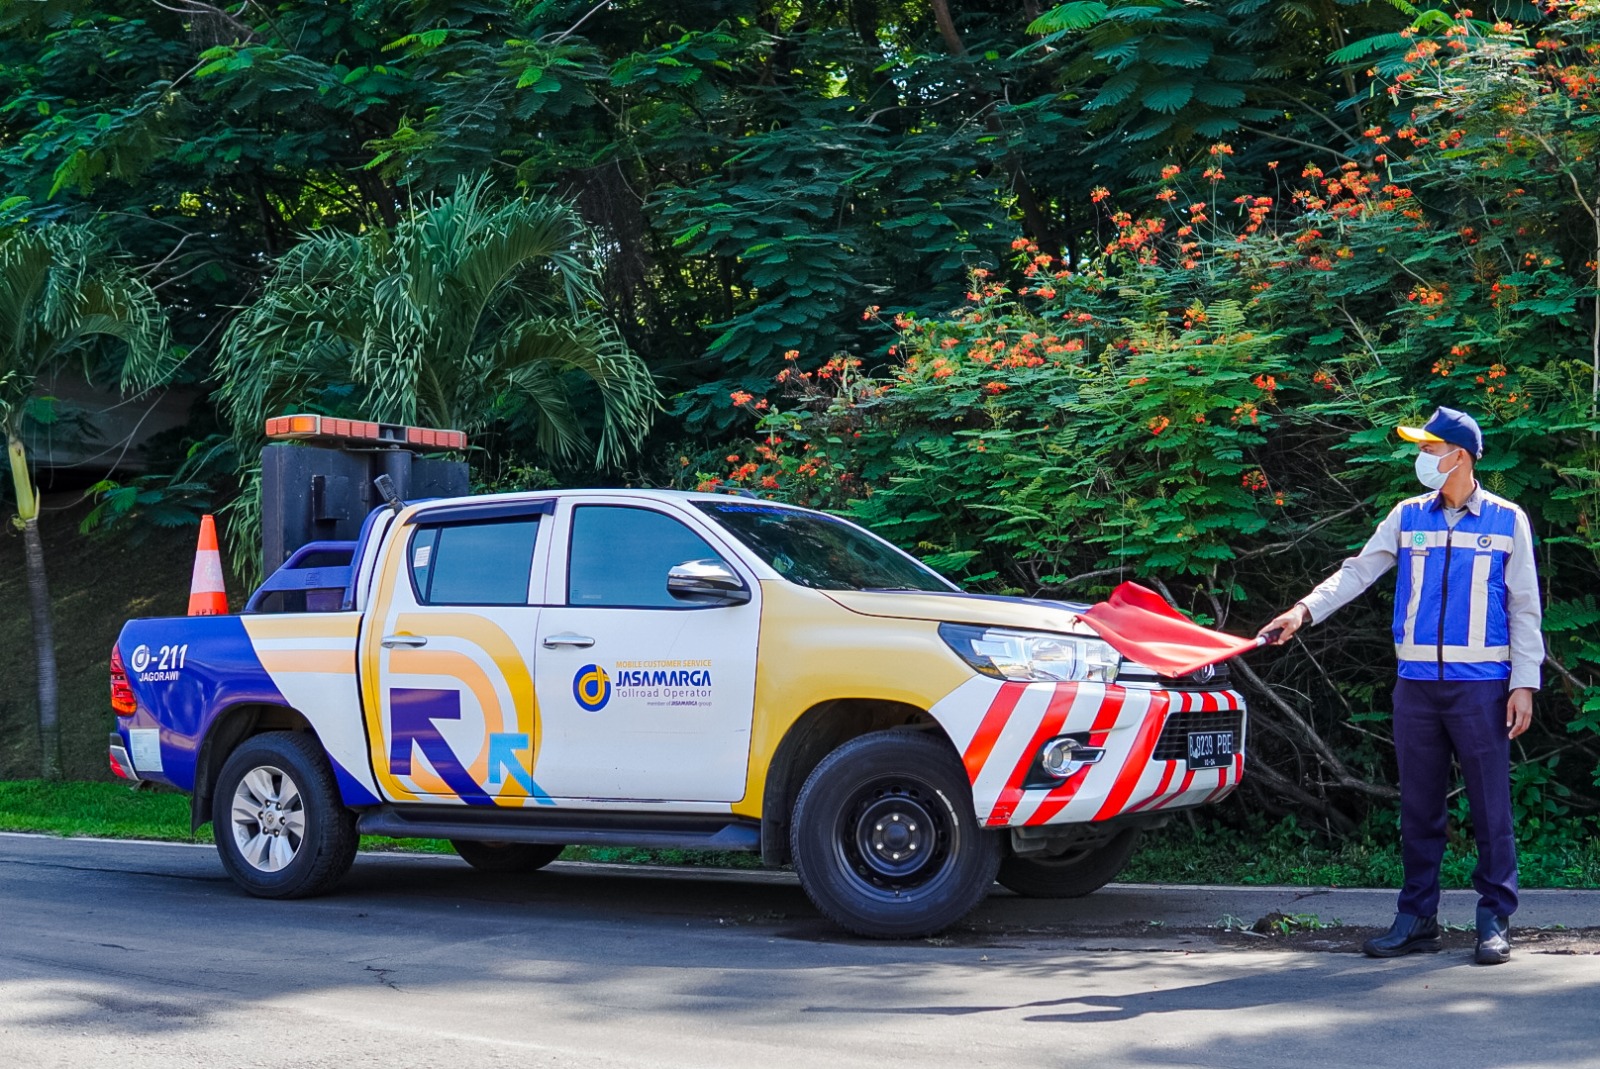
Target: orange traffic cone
pixel 206 594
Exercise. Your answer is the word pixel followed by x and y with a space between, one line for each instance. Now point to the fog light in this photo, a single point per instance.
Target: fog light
pixel 1062 757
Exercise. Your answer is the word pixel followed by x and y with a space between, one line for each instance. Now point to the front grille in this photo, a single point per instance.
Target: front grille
pixel 1217 677
pixel 1174 742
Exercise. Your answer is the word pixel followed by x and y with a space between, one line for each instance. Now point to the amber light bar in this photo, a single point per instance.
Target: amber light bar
pixel 284 428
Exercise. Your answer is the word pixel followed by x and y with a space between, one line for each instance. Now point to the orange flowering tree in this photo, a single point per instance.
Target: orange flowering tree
pixel 1209 401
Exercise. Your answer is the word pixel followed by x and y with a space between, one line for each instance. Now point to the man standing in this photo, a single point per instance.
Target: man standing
pixel 1467 636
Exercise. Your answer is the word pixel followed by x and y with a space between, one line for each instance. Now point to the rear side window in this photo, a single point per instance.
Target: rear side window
pixel 488 563
pixel 620 556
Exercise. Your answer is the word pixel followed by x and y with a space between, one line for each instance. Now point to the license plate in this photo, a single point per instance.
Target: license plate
pixel 1211 749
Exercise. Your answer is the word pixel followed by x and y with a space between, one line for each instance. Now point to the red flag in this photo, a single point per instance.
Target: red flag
pixel 1139 624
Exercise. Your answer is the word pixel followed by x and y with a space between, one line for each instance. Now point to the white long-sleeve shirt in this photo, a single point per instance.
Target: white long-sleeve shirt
pixel 1382 551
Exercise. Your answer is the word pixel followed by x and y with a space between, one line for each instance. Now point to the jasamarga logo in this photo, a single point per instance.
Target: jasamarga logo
pixel 591 688
pixel 664 682
pixel 661 677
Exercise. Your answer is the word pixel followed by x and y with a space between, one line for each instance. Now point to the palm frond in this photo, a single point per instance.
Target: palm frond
pixel 62 290
pixel 463 302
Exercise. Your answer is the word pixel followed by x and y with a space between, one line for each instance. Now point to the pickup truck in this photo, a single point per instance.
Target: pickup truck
pixel 522 672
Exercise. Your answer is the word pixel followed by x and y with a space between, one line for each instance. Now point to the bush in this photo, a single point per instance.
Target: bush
pixel 1209 405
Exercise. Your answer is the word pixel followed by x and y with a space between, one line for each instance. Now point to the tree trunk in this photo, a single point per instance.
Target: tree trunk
pixel 1035 220
pixel 44 652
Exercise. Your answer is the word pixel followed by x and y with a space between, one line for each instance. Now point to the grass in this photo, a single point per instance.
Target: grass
pixel 117 811
pixel 1209 852
pixel 1183 853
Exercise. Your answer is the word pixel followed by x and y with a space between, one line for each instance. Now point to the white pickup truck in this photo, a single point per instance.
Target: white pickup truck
pixel 523 672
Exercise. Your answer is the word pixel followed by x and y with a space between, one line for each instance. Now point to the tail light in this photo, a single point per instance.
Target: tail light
pixel 122 701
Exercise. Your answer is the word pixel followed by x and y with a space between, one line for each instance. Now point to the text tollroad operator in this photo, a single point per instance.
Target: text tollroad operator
pixel 1467 636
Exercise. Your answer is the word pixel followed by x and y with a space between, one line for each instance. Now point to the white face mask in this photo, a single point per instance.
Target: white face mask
pixel 1428 472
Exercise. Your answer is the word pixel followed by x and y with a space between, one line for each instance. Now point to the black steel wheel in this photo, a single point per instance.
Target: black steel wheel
pixel 507 857
pixel 1071 874
pixel 884 839
pixel 280 826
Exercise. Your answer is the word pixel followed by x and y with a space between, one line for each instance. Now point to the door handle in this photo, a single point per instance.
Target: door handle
pixel 407 642
pixel 567 638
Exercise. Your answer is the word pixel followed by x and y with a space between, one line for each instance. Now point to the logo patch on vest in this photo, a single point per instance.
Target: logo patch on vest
pixel 1419 539
pixel 1484 541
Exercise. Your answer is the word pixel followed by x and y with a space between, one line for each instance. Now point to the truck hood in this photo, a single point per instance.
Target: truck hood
pixel 1033 614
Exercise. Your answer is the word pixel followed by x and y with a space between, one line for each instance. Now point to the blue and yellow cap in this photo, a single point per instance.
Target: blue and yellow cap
pixel 1448 425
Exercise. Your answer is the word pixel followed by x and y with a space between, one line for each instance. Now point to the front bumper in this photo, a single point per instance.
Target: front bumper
pixel 1000 727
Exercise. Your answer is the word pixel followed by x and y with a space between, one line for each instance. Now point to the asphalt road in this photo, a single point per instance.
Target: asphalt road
pixel 145 955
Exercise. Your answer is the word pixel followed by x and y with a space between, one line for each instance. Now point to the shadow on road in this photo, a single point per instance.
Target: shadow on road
pixel 156 945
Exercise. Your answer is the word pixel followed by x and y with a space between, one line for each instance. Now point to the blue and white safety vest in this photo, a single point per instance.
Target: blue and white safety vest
pixel 1450 616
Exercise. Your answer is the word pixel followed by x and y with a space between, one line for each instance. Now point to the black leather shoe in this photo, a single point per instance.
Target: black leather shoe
pixel 1494 942
pixel 1406 935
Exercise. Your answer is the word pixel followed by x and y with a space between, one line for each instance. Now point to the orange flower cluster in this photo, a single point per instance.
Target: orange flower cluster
pixel 1254 481
pixel 837 365
pixel 1256 210
pixel 1136 235
pixel 1159 424
pixel 1425 295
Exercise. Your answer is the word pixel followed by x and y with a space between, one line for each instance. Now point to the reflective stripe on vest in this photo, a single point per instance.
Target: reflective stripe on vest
pixel 1450 615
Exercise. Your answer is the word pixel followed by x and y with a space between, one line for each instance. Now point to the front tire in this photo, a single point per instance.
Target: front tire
pixel 279 823
pixel 1071 874
pixel 884 838
pixel 506 857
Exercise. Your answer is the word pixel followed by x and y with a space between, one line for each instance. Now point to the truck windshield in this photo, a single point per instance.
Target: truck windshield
pixel 819 551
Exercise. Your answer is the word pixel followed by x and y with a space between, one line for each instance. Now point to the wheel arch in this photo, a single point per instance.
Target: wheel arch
pixel 230 727
pixel 816 733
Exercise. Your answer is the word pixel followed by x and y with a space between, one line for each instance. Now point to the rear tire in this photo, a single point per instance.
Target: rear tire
pixel 884 838
pixel 506 857
pixel 1072 874
pixel 280 826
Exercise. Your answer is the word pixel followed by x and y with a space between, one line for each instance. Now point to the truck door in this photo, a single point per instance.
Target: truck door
pixel 448 652
pixel 645 697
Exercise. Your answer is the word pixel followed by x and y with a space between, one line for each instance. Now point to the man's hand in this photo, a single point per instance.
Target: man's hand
pixel 1519 710
pixel 1287 623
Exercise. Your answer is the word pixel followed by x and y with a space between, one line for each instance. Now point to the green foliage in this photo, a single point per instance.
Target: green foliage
pixel 467 312
pixel 1210 403
pixel 64 300
pixel 1248 848
pixel 161 500
pixel 1401 215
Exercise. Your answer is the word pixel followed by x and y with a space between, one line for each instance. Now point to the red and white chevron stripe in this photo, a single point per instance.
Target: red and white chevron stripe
pixel 999 728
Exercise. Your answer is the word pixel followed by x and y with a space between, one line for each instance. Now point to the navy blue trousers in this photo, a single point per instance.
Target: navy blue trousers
pixel 1467 719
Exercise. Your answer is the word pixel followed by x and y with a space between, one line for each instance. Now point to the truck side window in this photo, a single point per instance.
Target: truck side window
pixel 485 563
pixel 620 556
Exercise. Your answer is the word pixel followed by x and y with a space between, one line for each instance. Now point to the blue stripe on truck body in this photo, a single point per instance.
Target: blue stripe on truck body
pixel 216 670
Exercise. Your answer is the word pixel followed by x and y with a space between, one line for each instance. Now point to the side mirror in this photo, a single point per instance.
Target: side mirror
pixel 707 582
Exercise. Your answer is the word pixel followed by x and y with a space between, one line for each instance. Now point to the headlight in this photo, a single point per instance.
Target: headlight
pixel 1032 656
